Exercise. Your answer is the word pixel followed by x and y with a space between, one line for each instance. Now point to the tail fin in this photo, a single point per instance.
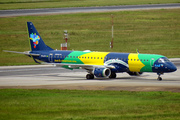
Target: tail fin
pixel 36 41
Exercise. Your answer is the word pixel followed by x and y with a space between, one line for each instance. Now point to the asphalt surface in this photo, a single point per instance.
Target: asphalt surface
pixel 50 77
pixel 22 12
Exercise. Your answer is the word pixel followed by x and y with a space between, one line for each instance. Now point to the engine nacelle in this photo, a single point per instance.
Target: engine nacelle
pixel 135 73
pixel 102 72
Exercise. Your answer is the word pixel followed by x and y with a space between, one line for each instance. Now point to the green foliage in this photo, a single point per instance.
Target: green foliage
pixel 31 4
pixel 76 104
pixel 149 31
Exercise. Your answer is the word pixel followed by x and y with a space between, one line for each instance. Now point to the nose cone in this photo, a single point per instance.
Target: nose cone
pixel 173 68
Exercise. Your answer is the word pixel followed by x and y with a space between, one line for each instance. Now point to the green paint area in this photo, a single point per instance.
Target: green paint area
pixel 72 57
pixel 41 104
pixel 148 60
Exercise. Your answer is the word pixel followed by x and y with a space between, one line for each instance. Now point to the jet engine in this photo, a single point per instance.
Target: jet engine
pixel 135 73
pixel 102 72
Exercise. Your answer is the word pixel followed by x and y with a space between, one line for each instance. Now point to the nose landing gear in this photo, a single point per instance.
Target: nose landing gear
pixel 159 78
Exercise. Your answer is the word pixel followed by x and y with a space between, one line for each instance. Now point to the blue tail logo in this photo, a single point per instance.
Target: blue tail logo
pixel 36 42
pixel 35 38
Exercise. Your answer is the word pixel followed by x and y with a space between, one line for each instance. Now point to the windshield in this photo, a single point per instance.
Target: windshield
pixel 166 60
pixel 162 60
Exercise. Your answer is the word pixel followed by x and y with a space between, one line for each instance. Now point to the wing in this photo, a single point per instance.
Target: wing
pixel 80 66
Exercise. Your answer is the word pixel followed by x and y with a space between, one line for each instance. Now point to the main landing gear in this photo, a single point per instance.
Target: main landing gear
pixel 113 75
pixel 89 76
pixel 159 78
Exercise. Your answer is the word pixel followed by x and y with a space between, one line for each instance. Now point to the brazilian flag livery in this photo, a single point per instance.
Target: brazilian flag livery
pixel 99 64
pixel 133 61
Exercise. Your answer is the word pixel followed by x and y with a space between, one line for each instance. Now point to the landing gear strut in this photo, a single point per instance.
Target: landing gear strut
pixel 89 76
pixel 159 78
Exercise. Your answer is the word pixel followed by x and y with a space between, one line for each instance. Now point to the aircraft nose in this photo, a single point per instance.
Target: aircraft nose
pixel 173 68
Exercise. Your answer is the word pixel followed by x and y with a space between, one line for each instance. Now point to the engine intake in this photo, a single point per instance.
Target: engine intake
pixel 102 72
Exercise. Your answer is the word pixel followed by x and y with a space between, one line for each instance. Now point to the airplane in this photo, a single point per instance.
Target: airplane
pixel 97 64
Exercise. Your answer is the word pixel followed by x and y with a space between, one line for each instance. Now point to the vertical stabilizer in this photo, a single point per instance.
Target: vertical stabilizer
pixel 36 41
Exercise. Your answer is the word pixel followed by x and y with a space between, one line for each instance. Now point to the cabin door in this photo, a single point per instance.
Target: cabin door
pixel 152 62
pixel 50 57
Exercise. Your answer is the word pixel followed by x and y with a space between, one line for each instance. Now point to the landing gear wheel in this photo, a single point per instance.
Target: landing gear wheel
pixel 113 75
pixel 89 76
pixel 92 76
pixel 159 78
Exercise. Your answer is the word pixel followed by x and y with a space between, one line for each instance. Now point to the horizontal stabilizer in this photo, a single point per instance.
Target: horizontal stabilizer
pixel 25 53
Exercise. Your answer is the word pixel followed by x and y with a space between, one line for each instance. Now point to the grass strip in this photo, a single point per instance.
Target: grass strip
pixel 34 4
pixel 149 31
pixel 77 104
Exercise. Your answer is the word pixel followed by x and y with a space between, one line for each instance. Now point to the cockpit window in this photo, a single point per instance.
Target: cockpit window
pixel 166 60
pixel 162 60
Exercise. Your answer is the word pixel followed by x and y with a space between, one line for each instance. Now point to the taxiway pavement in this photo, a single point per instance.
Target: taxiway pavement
pixel 22 12
pixel 50 77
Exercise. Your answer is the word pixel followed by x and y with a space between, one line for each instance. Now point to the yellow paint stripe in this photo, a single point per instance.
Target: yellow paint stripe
pixel 135 64
pixel 93 58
